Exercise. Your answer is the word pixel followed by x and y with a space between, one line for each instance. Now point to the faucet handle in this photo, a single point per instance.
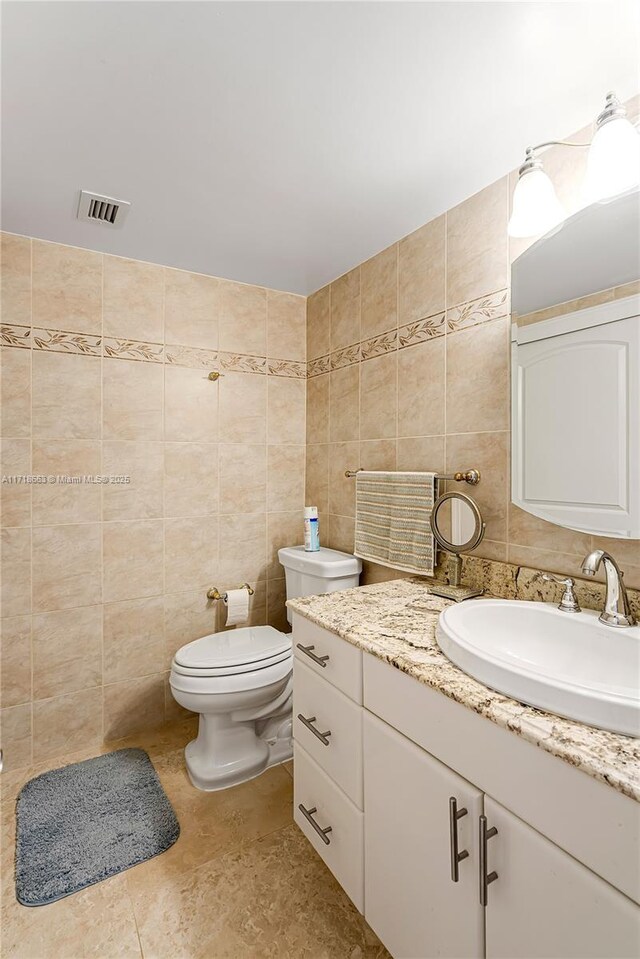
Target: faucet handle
pixel 568 603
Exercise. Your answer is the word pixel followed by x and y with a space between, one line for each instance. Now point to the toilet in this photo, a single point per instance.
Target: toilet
pixel 240 681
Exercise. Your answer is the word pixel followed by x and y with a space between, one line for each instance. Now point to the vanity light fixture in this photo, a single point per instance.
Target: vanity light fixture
pixel 613 166
pixel 535 208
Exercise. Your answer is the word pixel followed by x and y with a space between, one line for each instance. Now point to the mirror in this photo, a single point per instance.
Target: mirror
pixel 575 372
pixel 457 525
pixel 456 522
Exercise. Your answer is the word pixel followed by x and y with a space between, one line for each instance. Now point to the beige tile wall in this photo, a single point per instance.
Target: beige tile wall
pixel 104 371
pixel 409 369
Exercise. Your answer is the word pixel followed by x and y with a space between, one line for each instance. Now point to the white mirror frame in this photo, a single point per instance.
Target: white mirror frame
pixel 593 441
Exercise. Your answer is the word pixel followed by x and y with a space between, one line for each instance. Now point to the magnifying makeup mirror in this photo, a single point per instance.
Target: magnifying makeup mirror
pixel 458 527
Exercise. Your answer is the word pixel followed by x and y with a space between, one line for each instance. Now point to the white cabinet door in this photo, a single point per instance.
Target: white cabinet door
pixel 411 901
pixel 546 904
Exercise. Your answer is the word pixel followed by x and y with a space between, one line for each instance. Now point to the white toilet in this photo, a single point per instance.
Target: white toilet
pixel 240 681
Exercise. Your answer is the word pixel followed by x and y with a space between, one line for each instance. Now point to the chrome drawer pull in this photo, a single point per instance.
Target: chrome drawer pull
pixel 316 732
pixel 485 880
pixel 308 815
pixel 456 857
pixel 308 651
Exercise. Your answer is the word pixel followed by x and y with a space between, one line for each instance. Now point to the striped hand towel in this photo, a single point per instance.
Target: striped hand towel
pixel 392 520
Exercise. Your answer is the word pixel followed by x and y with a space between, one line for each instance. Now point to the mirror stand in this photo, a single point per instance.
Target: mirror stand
pixel 453 588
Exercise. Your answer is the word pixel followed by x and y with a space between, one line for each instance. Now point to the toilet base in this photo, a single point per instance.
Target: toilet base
pixel 227 753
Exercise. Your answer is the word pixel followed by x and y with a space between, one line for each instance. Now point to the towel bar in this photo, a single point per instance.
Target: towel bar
pixel 472 477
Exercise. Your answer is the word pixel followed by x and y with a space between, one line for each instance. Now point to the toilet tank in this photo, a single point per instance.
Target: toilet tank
pixel 322 571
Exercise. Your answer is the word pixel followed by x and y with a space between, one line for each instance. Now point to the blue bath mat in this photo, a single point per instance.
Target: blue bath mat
pixel 86 822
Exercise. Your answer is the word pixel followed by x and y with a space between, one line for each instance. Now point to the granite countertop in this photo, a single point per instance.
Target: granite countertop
pixel 396 621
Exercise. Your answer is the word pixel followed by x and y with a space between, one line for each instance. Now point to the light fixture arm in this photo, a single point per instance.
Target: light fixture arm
pixel 533 162
pixel 557 143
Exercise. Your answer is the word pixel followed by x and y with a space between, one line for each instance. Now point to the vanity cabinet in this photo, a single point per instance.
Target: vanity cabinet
pixel 542 902
pixel 383 802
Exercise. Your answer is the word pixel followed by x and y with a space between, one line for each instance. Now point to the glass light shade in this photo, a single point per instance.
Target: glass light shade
pixel 536 208
pixel 613 164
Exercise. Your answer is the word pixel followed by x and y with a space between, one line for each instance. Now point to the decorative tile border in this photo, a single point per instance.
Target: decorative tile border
pixel 421 331
pixel 292 368
pixel 379 345
pixel 62 341
pixel 242 363
pixel 321 364
pixel 347 357
pixel 191 356
pixel 133 350
pixel 461 317
pixel 478 311
pixel 16 336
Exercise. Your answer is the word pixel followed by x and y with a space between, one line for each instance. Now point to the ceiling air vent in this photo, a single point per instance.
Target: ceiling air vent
pixel 102 209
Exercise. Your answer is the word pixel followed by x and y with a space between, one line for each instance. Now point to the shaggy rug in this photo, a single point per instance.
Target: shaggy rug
pixel 88 821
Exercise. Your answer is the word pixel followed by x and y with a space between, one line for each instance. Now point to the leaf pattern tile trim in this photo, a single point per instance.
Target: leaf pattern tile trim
pixel 292 368
pixel 478 311
pixel 421 331
pixel 133 350
pixel 191 357
pixel 61 341
pixel 15 336
pixel 379 345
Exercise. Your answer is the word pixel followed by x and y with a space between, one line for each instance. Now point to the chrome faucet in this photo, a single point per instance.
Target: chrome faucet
pixel 617 611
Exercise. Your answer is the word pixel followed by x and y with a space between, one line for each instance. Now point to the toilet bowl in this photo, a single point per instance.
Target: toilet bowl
pixel 240 682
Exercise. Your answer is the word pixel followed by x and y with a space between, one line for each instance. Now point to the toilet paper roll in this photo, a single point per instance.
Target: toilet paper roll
pixel 237 603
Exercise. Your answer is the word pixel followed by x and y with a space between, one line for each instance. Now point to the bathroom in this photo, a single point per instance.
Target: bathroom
pixel 256 260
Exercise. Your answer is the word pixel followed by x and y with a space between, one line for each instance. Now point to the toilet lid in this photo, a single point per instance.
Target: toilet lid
pixel 237 647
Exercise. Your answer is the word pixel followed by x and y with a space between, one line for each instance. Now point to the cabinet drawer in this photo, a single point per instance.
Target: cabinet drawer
pixel 343 850
pixel 330 657
pixel 329 711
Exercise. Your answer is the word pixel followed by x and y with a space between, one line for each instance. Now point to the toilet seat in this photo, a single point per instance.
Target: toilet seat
pixel 220 683
pixel 246 650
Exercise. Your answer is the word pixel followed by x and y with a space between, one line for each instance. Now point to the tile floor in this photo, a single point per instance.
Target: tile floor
pixel 240 883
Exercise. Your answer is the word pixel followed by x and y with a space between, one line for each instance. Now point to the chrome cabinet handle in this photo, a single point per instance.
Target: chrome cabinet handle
pixel 308 651
pixel 316 732
pixel 485 880
pixel 456 857
pixel 308 815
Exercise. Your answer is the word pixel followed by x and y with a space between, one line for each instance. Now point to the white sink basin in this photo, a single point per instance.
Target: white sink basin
pixel 567 663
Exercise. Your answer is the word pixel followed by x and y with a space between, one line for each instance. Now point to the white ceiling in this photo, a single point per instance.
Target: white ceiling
pixel 283 143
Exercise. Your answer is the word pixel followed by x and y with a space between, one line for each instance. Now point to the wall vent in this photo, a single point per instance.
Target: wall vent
pixel 102 209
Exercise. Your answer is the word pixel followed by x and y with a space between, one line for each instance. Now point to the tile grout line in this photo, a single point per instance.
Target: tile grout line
pixel 133 911
pixel 446 344
pixel 163 301
pixel 397 279
pixel 31 644
pixel 102 677
pixel 329 391
pixel 508 348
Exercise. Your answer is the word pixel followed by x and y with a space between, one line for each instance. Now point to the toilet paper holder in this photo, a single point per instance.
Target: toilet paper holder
pixel 215 594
